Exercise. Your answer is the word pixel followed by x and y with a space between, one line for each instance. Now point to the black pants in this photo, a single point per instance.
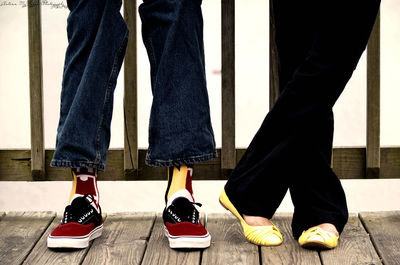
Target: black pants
pixel 319 45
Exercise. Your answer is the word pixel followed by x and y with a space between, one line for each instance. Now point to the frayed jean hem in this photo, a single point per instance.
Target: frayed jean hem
pixel 76 164
pixel 180 161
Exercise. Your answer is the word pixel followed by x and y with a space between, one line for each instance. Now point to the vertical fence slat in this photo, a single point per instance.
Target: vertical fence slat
pixel 228 152
pixel 36 89
pixel 273 60
pixel 373 102
pixel 131 155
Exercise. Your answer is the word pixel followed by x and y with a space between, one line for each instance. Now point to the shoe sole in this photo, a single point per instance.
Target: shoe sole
pixel 74 242
pixel 188 241
pixel 316 245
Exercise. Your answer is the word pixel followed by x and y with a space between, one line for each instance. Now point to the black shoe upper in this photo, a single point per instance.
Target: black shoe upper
pixel 181 210
pixel 82 211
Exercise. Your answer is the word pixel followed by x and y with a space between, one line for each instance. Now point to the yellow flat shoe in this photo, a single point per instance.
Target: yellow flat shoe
pixel 316 237
pixel 259 235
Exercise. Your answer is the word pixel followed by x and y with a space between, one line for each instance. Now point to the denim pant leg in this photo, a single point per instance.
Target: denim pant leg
pixel 180 129
pixel 97 39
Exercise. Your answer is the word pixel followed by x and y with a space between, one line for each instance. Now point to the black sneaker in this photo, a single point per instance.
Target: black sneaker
pixel 182 225
pixel 82 222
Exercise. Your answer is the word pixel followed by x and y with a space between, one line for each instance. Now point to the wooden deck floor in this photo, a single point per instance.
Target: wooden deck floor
pixel 137 238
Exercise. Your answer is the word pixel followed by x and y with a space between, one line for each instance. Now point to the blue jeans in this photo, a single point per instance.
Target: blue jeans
pixel 180 126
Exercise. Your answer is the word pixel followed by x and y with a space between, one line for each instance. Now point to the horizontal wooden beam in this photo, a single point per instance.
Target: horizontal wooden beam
pixel 348 163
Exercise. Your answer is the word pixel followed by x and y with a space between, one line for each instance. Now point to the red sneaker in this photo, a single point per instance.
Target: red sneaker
pixel 181 223
pixel 82 222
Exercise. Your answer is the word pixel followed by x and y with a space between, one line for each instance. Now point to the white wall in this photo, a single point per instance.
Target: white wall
pixel 251 80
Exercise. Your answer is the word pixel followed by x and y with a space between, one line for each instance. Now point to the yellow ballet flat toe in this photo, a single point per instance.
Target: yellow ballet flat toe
pixel 316 237
pixel 262 235
pixel 259 235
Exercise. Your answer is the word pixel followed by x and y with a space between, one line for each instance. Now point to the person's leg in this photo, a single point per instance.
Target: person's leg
pixel 259 181
pixel 179 178
pixel 340 40
pixel 180 132
pixel 294 36
pixel 97 38
pixel 291 148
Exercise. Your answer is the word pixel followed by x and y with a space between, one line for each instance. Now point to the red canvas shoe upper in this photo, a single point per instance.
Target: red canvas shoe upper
pixel 80 218
pixel 186 229
pixel 181 217
pixel 72 229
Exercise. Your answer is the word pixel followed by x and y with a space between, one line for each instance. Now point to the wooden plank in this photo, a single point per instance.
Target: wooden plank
pixel 273 59
pixel 150 173
pixel 19 233
pixel 36 89
pixel 228 154
pixel 384 228
pixel 355 246
pixel 123 240
pixel 228 245
pixel 40 254
pixel 349 162
pixel 56 173
pixel 373 102
pixel 390 162
pixel 15 165
pixel 131 156
pixel 159 252
pixel 114 167
pixel 290 251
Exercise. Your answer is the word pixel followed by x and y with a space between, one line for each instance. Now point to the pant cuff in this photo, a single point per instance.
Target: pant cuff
pixel 339 221
pixel 75 164
pixel 180 161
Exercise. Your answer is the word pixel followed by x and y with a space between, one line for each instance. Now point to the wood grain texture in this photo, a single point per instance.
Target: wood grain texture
pixel 40 254
pixel 373 102
pixel 273 59
pixel 123 240
pixel 15 165
pixel 228 244
pixel 131 155
pixel 158 250
pixel 348 163
pixel 19 233
pixel 390 162
pixel 228 153
pixel 290 251
pixel 36 89
pixel 114 167
pixel 355 247
pixel 384 229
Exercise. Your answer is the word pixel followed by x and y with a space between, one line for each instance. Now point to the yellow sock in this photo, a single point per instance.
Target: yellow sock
pixel 179 178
